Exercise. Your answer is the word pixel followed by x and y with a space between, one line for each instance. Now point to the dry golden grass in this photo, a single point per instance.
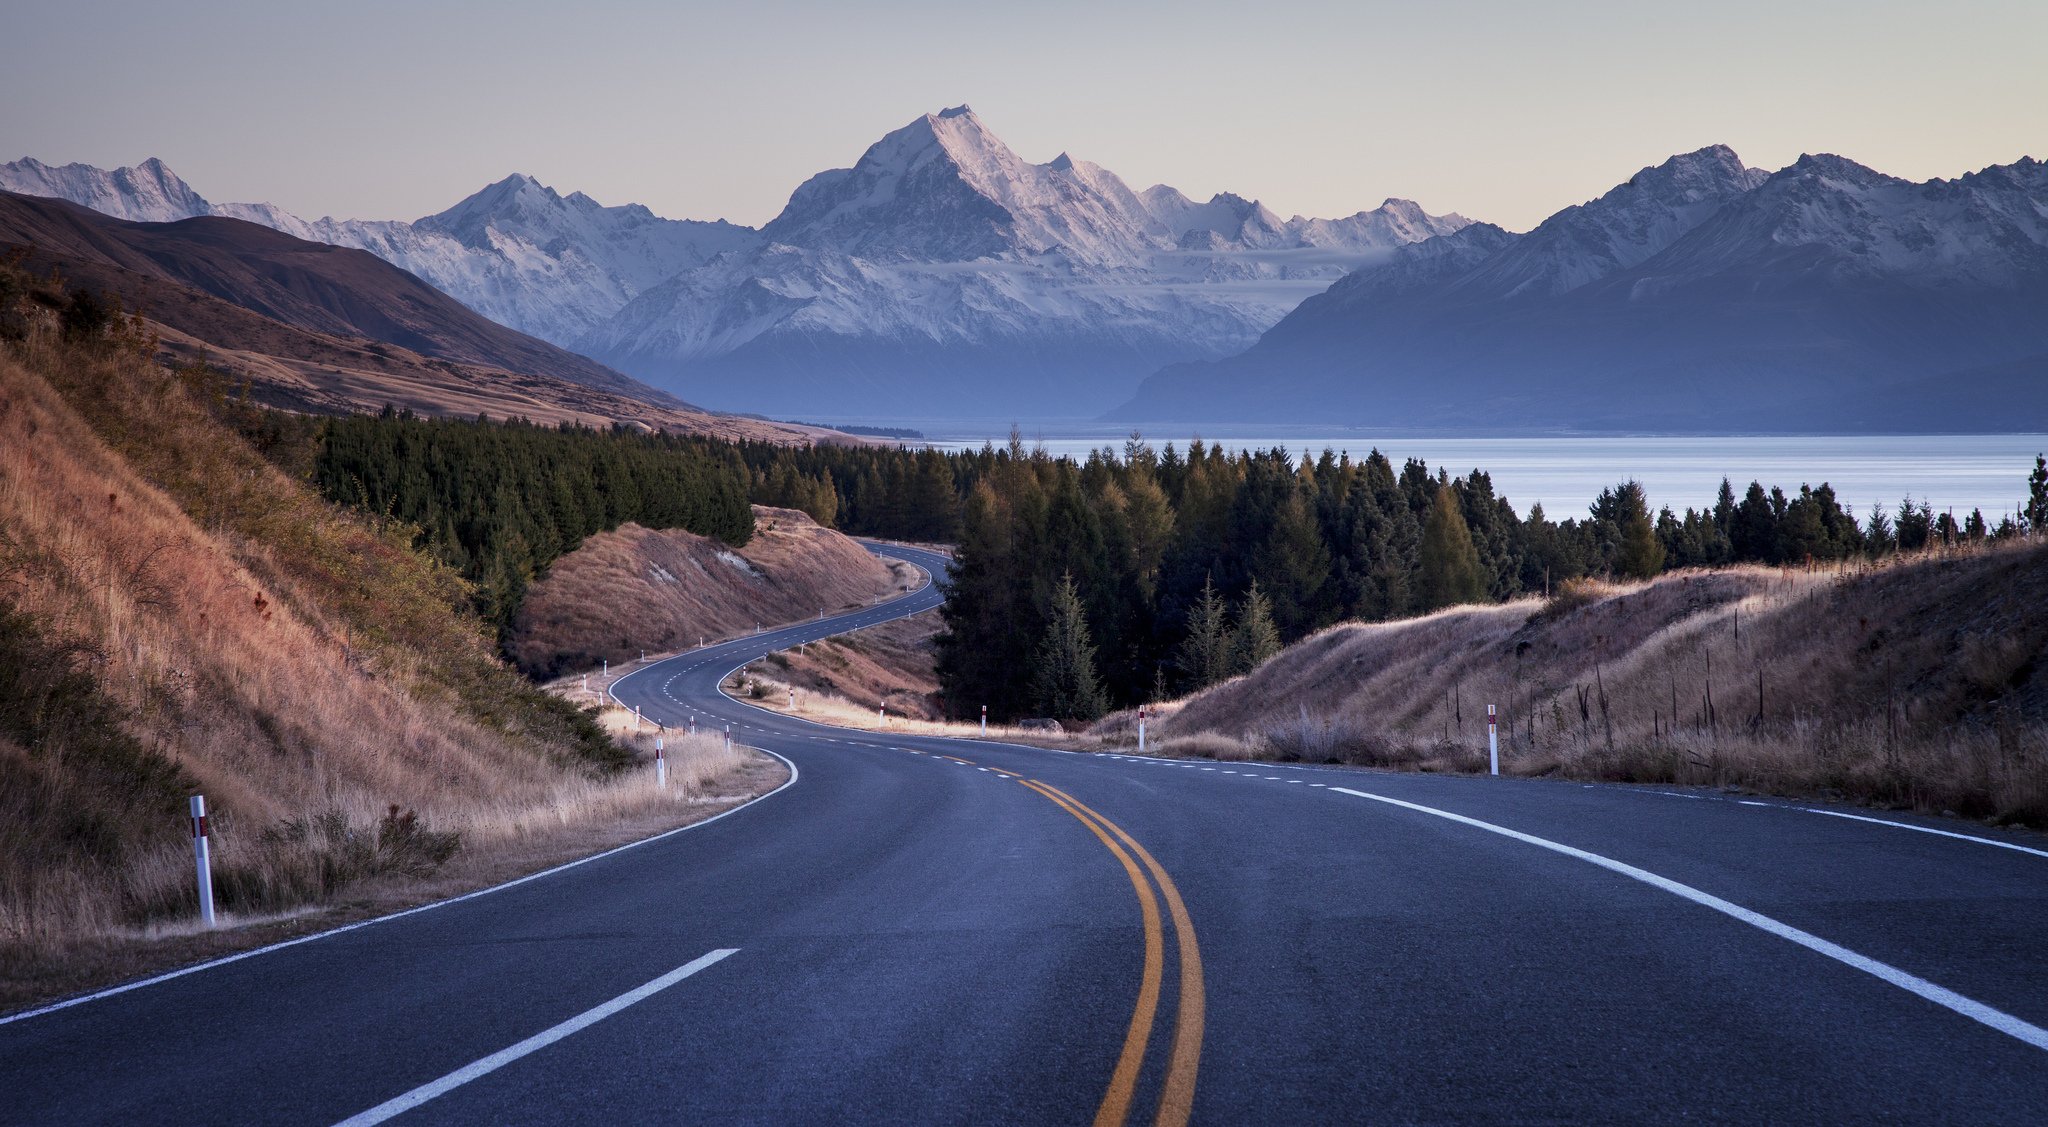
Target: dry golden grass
pixel 291 661
pixel 635 589
pixel 891 666
pixel 1917 683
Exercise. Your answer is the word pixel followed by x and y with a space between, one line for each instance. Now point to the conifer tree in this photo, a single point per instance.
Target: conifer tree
pixel 1256 638
pixel 2037 497
pixel 1205 653
pixel 1067 686
pixel 1640 555
pixel 1450 564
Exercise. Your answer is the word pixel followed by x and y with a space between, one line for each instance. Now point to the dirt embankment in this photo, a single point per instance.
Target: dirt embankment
pixel 1921 683
pixel 892 667
pixel 658 590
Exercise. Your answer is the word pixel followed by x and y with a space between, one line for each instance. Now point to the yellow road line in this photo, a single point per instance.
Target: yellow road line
pixel 1123 1082
pixel 1176 1101
pixel 1006 774
pixel 957 759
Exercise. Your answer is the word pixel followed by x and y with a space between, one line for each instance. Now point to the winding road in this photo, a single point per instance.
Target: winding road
pixel 919 930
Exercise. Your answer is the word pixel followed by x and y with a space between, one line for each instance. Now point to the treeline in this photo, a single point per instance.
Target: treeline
pixel 1187 567
pixel 499 501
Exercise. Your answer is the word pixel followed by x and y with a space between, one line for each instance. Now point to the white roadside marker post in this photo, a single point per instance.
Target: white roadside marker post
pixel 607 667
pixel 1141 729
pixel 202 855
pixel 984 721
pixel 636 717
pixel 643 657
pixel 792 700
pixel 881 717
pixel 693 723
pixel 728 737
pixel 1492 741
pixel 660 765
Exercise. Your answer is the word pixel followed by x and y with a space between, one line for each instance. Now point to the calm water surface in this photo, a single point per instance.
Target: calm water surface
pixel 1565 473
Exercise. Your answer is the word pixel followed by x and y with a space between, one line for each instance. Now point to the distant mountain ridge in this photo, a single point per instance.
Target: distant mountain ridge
pixel 940 273
pixel 1698 295
pixel 326 329
pixel 308 284
pixel 527 257
pixel 944 274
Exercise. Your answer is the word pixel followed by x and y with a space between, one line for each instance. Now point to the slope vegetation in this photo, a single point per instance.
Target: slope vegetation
pixel 1919 683
pixel 178 616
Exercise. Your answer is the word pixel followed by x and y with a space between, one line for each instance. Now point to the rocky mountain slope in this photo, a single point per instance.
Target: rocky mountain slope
pixel 1698 295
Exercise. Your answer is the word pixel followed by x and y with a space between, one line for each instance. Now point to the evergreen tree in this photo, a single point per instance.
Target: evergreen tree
pixel 1067 688
pixel 1450 564
pixel 2037 497
pixel 1205 653
pixel 1639 555
pixel 1256 638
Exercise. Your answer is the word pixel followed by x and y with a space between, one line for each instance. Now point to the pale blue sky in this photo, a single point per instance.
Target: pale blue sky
pixel 1500 111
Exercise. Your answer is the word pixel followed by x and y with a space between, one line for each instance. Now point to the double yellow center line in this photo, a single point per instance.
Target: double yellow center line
pixel 1177 1094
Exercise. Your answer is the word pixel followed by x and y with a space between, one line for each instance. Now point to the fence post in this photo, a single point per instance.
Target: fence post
pixel 1492 741
pixel 660 765
pixel 202 855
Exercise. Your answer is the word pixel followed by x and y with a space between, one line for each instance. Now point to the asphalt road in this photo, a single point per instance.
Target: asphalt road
pixel 933 931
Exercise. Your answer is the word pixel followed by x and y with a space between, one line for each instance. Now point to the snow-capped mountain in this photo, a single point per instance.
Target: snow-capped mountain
pixel 517 252
pixel 944 273
pixel 941 269
pixel 147 193
pixel 1698 295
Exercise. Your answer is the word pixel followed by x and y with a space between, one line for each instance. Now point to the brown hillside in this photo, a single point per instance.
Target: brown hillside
pixel 314 286
pixel 301 370
pixel 635 589
pixel 1923 683
pixel 178 615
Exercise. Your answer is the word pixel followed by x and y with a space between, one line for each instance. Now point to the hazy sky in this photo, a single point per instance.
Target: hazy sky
pixel 1501 111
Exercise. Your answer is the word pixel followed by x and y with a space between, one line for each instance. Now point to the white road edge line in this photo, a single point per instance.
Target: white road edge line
pixel 513 883
pixel 1940 995
pixel 399 1105
pixel 1916 829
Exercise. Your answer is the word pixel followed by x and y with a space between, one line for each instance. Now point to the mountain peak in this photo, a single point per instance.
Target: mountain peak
pixel 146 193
pixel 961 110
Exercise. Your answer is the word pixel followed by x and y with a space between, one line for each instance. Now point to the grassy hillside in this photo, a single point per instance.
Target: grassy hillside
pixel 1920 683
pixel 634 589
pixel 177 615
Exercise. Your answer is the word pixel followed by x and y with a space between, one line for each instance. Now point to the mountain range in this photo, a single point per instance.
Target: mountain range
pixel 942 275
pixel 1699 295
pixel 320 328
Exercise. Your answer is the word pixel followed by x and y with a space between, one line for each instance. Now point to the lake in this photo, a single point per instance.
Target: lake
pixel 1564 473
